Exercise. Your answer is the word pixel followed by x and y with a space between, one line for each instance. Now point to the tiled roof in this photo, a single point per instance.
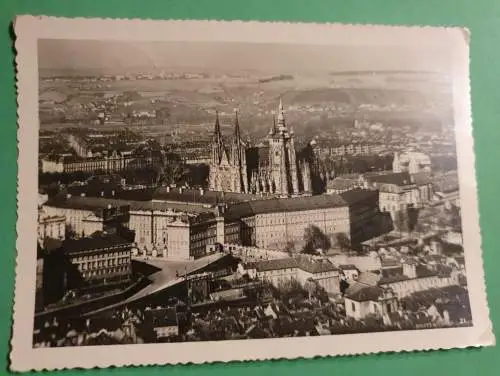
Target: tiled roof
pixel 99 241
pixel 85 203
pixel 367 293
pixel 318 266
pixel 353 176
pixel 95 203
pixel 422 178
pixel 341 183
pixel 397 178
pixel 358 195
pixel 111 190
pixel 275 205
pixel 423 272
pixel 411 261
pixel 276 264
pixel 369 278
pixel 390 272
pixel 392 279
pixel 205 197
pixel 166 206
pixel 348 267
pixel 390 262
pixel 303 263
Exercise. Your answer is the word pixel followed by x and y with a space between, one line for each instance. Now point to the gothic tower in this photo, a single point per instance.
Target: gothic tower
pixel 293 164
pixel 277 155
pixel 217 152
pixel 238 159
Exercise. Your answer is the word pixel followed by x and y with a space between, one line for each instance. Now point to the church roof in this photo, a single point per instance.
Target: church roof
pixel 258 156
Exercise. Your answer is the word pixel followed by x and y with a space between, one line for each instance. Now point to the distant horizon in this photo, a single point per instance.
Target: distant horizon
pixel 146 69
pixel 77 55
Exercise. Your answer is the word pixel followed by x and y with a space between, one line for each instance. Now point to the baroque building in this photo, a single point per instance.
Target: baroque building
pixel 273 167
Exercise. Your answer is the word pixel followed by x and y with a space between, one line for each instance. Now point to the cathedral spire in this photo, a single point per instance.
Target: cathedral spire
pixel 281 117
pixel 273 129
pixel 237 132
pixel 217 133
pixel 217 141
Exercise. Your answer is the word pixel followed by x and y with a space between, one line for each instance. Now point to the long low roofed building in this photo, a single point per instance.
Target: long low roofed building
pixel 278 223
pixel 300 269
pixel 217 217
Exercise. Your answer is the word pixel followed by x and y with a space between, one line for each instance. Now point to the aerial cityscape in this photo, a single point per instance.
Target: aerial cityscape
pixel 194 197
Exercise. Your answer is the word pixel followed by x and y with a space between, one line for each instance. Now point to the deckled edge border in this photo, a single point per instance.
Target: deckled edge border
pixel 486 339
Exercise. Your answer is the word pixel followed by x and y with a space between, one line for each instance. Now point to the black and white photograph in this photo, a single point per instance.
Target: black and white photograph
pixel 254 189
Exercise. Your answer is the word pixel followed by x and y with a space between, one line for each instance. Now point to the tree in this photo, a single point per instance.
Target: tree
pixel 343 241
pixel 170 173
pixel 344 285
pixel 314 240
pixel 70 233
pixel 197 175
pixel 310 287
pixel 290 248
pixel 401 221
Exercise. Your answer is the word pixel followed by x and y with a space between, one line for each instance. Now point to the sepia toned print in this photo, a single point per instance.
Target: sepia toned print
pixel 217 191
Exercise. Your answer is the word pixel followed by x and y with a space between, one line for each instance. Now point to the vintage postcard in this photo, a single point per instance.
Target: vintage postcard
pixel 199 191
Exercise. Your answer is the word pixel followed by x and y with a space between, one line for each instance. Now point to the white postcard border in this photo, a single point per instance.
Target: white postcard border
pixel 29 29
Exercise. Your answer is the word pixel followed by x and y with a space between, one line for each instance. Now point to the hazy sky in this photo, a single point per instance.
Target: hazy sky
pixel 228 56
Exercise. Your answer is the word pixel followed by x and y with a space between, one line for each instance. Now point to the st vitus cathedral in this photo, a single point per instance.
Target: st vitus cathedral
pixel 273 167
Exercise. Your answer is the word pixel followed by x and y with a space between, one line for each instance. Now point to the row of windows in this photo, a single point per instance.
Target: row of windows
pixel 101 256
pixel 102 263
pixel 300 220
pixel 273 234
pixel 52 231
pixel 204 234
pixel 279 271
pixel 105 272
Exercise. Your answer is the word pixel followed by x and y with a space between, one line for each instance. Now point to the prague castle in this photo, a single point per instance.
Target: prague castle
pixel 273 167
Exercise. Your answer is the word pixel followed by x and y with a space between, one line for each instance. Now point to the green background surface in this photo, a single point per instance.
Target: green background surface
pixel 482 17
